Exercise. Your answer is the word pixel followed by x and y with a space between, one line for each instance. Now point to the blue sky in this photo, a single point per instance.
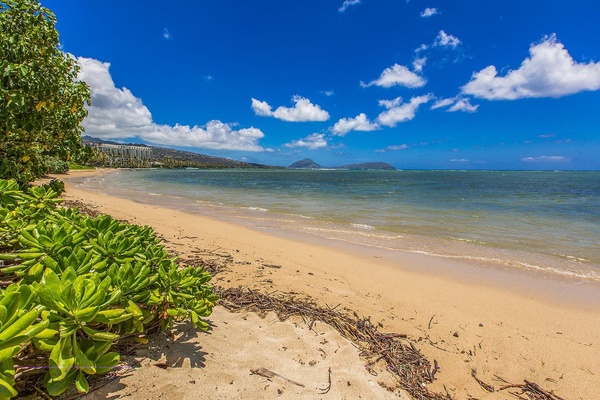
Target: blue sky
pixel 418 84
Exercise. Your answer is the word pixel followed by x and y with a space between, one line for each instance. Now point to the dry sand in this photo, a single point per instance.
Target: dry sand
pixel 504 324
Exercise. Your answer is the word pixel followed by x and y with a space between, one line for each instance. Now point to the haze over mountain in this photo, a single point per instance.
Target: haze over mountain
pixel 310 164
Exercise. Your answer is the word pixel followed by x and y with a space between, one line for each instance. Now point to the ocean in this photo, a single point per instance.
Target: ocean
pixel 546 222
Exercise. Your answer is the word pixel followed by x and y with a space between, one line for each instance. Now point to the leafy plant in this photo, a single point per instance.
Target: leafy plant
pixel 77 306
pixel 18 324
pixel 89 281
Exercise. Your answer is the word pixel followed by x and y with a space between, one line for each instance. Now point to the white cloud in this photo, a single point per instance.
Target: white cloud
pixel 545 158
pixel 460 160
pixel 393 148
pixel 419 63
pixel 115 113
pixel 214 135
pixel 458 103
pixel 302 111
pixel 443 103
pixel 429 11
pixel 397 75
pixel 166 34
pixel 400 112
pixel 358 123
pixel 397 147
pixel 549 71
pixel 446 40
pixel 463 104
pixel 348 3
pixel 328 93
pixel 312 142
pixel 421 48
pixel 261 108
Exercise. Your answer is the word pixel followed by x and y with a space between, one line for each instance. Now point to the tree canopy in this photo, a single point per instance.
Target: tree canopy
pixel 42 104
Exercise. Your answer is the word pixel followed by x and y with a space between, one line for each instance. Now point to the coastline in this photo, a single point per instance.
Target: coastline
pixel 466 321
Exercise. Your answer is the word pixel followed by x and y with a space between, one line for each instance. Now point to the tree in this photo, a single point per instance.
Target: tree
pixel 41 102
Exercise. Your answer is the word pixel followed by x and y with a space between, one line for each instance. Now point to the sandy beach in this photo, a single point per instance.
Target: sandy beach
pixel 501 324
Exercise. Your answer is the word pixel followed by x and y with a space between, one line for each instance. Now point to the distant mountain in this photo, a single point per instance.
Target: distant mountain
pixel 91 139
pixel 310 164
pixel 182 159
pixel 369 165
pixel 305 164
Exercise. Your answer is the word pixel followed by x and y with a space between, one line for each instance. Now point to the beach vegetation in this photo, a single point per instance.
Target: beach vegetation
pixel 42 104
pixel 73 166
pixel 73 286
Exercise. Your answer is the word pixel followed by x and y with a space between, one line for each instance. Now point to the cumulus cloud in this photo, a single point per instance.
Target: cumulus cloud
pixel 115 113
pixel 549 71
pixel 397 75
pixel 261 108
pixel 446 40
pixel 302 111
pixel 429 11
pixel 311 142
pixel 397 111
pixel 358 123
pixel 348 3
pixel 545 159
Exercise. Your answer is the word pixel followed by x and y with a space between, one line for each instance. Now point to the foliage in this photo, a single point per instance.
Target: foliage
pixel 56 185
pixel 80 284
pixel 41 102
pixel 55 165
pixel 75 166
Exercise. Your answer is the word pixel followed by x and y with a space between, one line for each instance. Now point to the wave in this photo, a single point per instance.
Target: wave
pixel 364 226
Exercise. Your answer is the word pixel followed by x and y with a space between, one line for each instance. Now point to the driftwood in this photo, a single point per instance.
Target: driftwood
pixel 270 375
pixel 409 366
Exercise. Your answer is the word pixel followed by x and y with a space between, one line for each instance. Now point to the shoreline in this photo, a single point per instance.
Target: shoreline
pixel 555 261
pixel 549 285
pixel 465 320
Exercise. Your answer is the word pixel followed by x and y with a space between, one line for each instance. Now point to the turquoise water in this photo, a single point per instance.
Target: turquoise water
pixel 544 221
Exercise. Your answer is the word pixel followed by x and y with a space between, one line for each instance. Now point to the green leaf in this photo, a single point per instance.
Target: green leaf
pixel 18 327
pixel 6 390
pixel 99 335
pixel 57 386
pixel 82 361
pixel 107 362
pixel 9 353
pixel 81 383
pixel 61 359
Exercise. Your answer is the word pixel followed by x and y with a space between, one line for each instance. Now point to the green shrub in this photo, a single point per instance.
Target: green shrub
pixel 55 165
pixel 82 283
pixel 42 102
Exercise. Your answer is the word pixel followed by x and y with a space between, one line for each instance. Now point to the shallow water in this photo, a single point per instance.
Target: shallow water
pixel 544 221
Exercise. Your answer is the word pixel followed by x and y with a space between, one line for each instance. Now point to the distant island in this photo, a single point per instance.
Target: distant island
pixel 310 164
